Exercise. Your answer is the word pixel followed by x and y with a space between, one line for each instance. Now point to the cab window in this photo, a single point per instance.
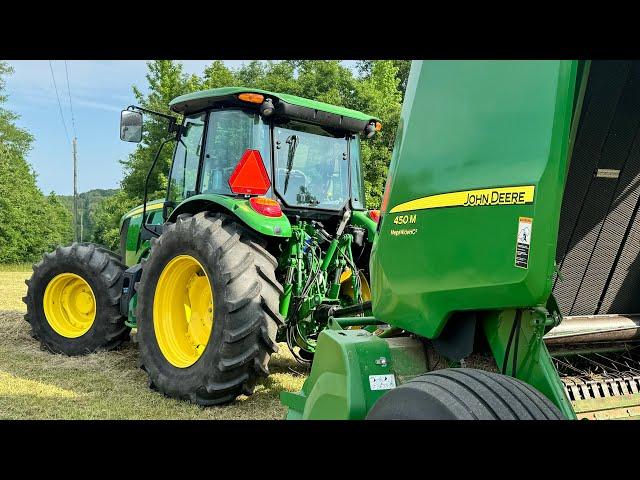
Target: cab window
pixel 229 134
pixel 312 168
pixel 184 171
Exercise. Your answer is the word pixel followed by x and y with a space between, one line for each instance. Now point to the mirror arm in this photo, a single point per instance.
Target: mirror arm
pixel 146 186
pixel 173 125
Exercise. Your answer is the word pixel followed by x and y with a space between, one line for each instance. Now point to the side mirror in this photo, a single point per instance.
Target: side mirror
pixel 131 126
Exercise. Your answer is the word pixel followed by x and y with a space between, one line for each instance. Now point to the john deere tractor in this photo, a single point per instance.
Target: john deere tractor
pixel 505 272
pixel 262 237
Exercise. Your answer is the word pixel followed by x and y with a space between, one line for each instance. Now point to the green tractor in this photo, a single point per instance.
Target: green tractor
pixel 262 237
pixel 505 270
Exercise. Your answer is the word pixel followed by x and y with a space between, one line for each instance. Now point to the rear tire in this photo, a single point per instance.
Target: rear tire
pixel 102 271
pixel 464 394
pixel 246 298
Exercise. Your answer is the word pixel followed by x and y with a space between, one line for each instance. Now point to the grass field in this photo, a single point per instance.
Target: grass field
pixel 35 384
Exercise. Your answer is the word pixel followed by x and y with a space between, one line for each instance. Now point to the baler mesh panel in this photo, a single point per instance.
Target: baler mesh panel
pixel 620 153
pixel 596 212
pixel 577 259
pixel 606 81
pixel 622 293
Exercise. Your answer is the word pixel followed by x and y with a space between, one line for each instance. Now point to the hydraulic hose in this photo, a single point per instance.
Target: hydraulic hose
pixel 516 325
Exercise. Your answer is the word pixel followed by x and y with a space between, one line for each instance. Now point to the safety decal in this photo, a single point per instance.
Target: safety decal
pixel 523 242
pixel 382 382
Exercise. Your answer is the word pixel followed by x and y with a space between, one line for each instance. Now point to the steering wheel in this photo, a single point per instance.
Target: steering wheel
pixel 296 179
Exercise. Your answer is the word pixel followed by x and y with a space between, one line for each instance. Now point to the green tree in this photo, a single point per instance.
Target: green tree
pixel 250 74
pixel 106 218
pixel 404 66
pixel 364 68
pixel 377 93
pixel 11 137
pixel 280 77
pixel 218 75
pixel 57 224
pixel 87 205
pixel 326 81
pixel 30 222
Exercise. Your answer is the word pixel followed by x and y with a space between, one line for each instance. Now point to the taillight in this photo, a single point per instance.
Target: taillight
pixel 250 177
pixel 266 206
pixel 374 215
pixel 251 97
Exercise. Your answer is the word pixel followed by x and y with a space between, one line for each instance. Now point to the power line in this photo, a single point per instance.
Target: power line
pixel 73 121
pixel 59 104
pixel 66 132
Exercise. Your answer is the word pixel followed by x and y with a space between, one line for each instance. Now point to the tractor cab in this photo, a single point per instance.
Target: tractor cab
pixel 300 155
pixel 301 165
pixel 266 157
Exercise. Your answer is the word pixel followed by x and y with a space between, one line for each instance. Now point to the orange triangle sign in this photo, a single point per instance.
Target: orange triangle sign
pixel 250 177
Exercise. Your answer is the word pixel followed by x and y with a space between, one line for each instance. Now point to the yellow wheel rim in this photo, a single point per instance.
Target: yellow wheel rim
pixel 183 311
pixel 346 288
pixel 69 305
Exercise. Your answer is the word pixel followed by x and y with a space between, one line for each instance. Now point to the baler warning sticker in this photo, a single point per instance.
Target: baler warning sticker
pixel 523 242
pixel 382 382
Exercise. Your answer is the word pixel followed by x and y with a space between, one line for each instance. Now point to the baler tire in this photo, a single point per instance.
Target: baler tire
pixel 464 394
pixel 246 298
pixel 103 271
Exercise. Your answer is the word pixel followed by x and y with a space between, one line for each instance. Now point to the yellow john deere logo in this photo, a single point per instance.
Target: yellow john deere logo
pixel 471 198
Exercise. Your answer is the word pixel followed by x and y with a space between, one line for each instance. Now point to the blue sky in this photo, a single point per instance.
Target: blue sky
pixel 99 90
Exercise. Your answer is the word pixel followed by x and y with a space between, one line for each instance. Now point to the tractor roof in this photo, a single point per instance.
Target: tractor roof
pixel 195 101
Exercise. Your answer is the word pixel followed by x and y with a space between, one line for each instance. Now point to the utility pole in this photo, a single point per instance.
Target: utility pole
pixel 75 193
pixel 81 220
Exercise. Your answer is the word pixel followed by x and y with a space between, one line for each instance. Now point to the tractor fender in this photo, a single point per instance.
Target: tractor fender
pixel 133 247
pixel 238 207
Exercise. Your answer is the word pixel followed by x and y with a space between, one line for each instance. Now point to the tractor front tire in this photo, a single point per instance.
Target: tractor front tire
pixel 207 310
pixel 73 300
pixel 464 394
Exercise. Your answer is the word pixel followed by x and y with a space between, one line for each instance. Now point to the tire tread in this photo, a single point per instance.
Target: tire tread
pixel 481 394
pixel 93 261
pixel 247 285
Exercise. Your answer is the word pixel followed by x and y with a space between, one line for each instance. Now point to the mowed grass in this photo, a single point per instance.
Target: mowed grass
pixel 35 384
pixel 12 286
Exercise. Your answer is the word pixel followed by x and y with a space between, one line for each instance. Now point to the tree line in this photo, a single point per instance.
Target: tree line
pixel 31 223
pixel 87 204
pixel 377 88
